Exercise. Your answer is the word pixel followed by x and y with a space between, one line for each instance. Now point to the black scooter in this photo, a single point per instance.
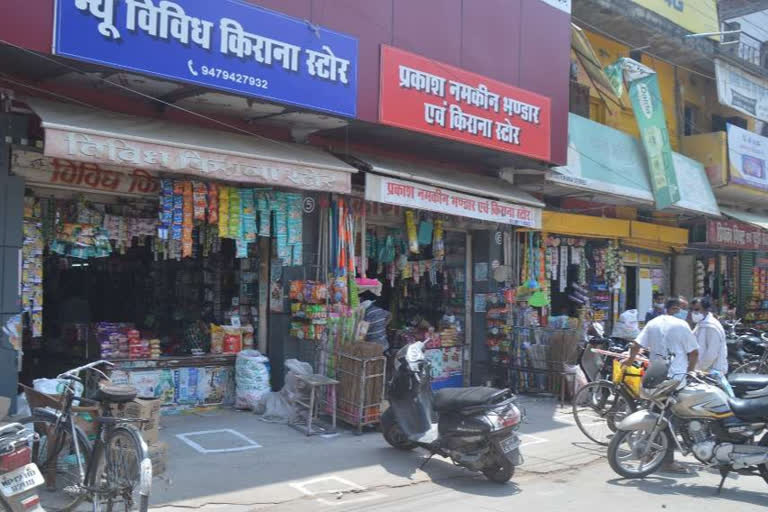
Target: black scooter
pixel 477 426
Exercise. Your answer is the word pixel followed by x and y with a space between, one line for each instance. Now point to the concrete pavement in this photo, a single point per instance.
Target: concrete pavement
pixel 231 461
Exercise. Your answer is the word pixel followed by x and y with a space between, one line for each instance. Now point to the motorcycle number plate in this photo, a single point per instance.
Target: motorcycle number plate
pixel 509 444
pixel 20 480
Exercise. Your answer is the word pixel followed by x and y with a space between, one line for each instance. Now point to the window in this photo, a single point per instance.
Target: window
pixel 691 114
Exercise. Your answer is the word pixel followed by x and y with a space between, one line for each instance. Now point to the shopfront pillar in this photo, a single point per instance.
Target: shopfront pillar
pixel 11 220
pixel 487 253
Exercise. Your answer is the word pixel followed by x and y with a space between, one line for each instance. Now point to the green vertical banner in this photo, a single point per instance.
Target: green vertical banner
pixel 649 113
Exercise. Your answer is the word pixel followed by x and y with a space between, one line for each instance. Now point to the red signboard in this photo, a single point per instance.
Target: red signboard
pixel 427 96
pixel 736 234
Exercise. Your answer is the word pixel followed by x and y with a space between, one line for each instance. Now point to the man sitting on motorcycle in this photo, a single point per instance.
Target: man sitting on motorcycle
pixel 664 336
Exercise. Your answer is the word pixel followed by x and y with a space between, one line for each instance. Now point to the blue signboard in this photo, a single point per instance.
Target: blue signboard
pixel 221 44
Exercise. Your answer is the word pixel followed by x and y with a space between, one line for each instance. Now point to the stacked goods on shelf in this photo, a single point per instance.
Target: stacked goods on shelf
pixel 309 309
pixel 757 307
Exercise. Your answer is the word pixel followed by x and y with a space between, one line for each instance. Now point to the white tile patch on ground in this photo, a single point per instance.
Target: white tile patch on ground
pixel 341 487
pixel 249 444
pixel 533 440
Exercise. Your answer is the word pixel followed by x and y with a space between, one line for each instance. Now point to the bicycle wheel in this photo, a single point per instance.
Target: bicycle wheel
pixel 598 407
pixel 56 452
pixel 125 472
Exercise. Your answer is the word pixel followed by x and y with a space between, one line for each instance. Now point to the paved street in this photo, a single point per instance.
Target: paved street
pixel 225 470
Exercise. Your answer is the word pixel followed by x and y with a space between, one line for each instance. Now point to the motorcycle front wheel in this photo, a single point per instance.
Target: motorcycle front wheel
pixel 628 456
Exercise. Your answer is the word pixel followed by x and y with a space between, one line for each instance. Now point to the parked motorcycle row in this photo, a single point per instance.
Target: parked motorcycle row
pixel 721 422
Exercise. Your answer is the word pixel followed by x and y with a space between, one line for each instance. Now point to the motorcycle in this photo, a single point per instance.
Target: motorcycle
pixel 19 476
pixel 699 418
pixel 475 427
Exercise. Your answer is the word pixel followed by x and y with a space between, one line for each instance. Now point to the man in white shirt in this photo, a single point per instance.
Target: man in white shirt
pixel 669 335
pixel 713 350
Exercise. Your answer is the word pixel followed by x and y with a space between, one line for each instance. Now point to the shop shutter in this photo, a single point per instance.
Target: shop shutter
pixel 746 263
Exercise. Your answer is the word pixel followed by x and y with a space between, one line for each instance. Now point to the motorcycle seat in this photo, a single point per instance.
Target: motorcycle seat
pixel 747 382
pixel 455 399
pixel 750 408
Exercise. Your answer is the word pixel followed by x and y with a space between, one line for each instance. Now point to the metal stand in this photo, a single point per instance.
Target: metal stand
pixel 327 387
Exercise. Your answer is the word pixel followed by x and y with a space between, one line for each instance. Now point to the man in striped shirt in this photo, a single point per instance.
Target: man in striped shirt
pixel 377 319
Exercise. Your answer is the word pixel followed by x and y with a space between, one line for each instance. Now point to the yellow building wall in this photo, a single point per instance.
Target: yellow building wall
pixel 693 89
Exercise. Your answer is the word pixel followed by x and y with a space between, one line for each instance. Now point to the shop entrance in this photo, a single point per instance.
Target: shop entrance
pixel 424 279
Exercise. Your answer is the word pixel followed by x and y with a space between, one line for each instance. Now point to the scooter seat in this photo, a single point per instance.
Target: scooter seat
pixel 750 408
pixel 455 399
pixel 744 382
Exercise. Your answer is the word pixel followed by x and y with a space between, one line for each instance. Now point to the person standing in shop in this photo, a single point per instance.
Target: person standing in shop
pixel 713 350
pixel 377 319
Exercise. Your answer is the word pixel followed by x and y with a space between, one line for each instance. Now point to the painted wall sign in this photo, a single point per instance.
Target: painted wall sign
pixel 104 149
pixel 738 235
pixel 63 173
pixel 742 91
pixel 425 197
pixel 697 16
pixel 427 96
pixel 227 44
pixel 748 158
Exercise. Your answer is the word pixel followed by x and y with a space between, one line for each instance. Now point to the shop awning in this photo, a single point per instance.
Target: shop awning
pixel 447 192
pixel 108 138
pixel 479 185
pixel 643 235
pixel 755 219
pixel 584 225
pixel 612 164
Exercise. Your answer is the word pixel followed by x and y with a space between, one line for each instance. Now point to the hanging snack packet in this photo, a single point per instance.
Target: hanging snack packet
pixel 410 227
pixel 213 203
pixel 438 242
pixel 224 192
pixel 200 200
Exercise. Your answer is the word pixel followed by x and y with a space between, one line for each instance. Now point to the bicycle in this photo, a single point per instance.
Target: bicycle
pixel 115 469
pixel 600 405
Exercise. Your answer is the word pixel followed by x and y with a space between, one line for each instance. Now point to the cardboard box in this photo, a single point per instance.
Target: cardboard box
pixel 158 454
pixel 144 408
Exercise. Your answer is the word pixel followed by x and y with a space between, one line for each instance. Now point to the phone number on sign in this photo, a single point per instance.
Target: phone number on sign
pixel 237 78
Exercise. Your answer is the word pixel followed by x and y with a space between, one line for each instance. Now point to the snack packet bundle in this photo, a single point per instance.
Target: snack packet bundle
pixel 410 227
pixel 339 291
pixel 234 213
pixel 280 229
pixel 296 290
pixel 265 213
pixel 213 203
pixel 199 200
pixel 224 211
pixel 166 208
pixel 217 339
pixel 178 210
pixel 438 241
pixel 248 207
pixel 187 220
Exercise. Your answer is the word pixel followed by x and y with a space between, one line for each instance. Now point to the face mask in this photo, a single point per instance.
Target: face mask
pixel 659 305
pixel 697 317
pixel 682 314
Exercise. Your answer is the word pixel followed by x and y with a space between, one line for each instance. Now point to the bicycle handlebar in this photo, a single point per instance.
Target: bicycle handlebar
pixel 74 371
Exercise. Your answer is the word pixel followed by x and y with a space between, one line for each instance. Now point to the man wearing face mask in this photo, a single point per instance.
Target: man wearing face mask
pixel 713 350
pixel 657 309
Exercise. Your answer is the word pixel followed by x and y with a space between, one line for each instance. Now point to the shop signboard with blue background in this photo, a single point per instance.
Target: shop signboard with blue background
pixel 224 44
